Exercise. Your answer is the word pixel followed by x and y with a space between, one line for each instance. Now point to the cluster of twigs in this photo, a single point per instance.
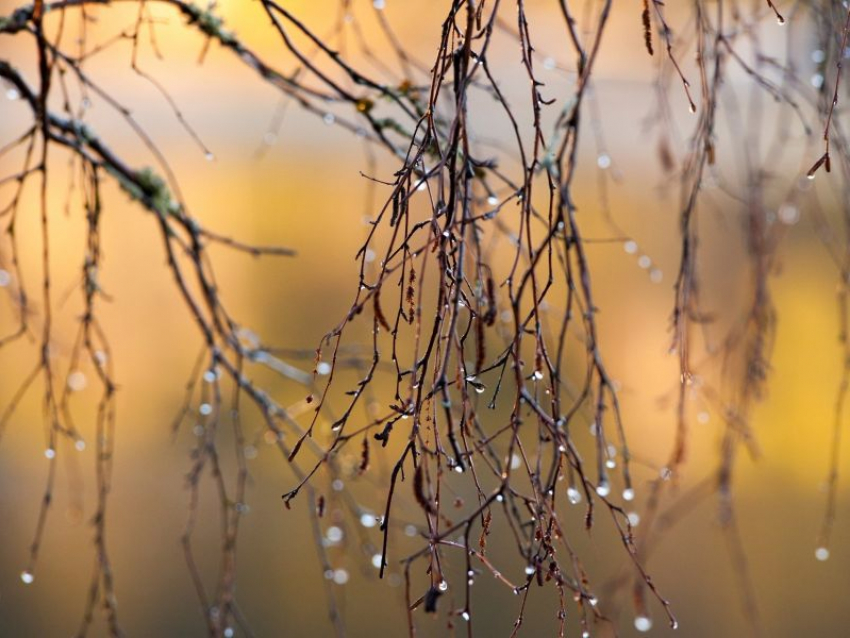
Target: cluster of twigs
pixel 475 293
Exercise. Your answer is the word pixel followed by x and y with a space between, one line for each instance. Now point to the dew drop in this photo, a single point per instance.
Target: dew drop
pixel 549 64
pixel 822 553
pixel 443 586
pixel 379 4
pixel 334 534
pixel 516 461
pixel 205 409
pixel 788 214
pixel 634 519
pixel 603 161
pixel 628 494
pixel 329 118
pixel 655 276
pixel 209 376
pixel 465 616
pixel 27 577
pixel 337 485
pixel 603 489
pixel 12 94
pixel 593 600
pixel 376 561
pixel 529 570
pixel 367 520
pixel 50 453
pixel 324 368
pixel 643 623
pixel 5 278
pixel 80 445
pixel 500 498
pixel 493 200
pixel 538 375
pixel 340 576
pixel 209 156
pixel 644 261
pixel 77 381
pixel 630 247
pixel 228 632
pixel 573 495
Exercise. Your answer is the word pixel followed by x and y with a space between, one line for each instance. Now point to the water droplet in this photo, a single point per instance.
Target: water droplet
pixel 593 600
pixel 5 278
pixel 376 561
pixel 655 276
pixel 80 445
pixel 603 489
pixel 692 108
pixel 643 623
pixel 516 461
pixel 205 409
pixel 228 632
pixel 788 214
pixel 500 498
pixel 818 56
pixel 379 4
pixel 209 156
pixel 465 615
pixel 549 64
pixel 644 261
pixel 50 453
pixel 27 577
pixel 630 247
pixel 628 494
pixel 538 375
pixel 209 376
pixel 410 530
pixel 367 519
pixel 443 586
pixel 337 485
pixel 369 256
pixel 585 634
pixel 822 553
pixel 529 570
pixel 634 519
pixel 329 118
pixel 666 473
pixel 573 495
pixel 610 464
pixel 603 161
pixel 334 534
pixel 324 368
pixel 12 94
pixel 458 469
pixel 340 576
pixel 76 381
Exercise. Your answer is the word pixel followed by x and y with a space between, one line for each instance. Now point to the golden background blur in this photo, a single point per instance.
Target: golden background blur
pixel 304 191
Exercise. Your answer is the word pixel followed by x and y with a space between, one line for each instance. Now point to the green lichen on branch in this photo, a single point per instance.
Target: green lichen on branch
pixel 148 188
pixel 210 24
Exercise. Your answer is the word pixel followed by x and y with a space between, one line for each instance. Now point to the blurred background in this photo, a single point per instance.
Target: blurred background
pixel 282 176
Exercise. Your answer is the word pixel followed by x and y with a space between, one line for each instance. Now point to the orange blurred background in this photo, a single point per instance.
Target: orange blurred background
pixel 300 186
